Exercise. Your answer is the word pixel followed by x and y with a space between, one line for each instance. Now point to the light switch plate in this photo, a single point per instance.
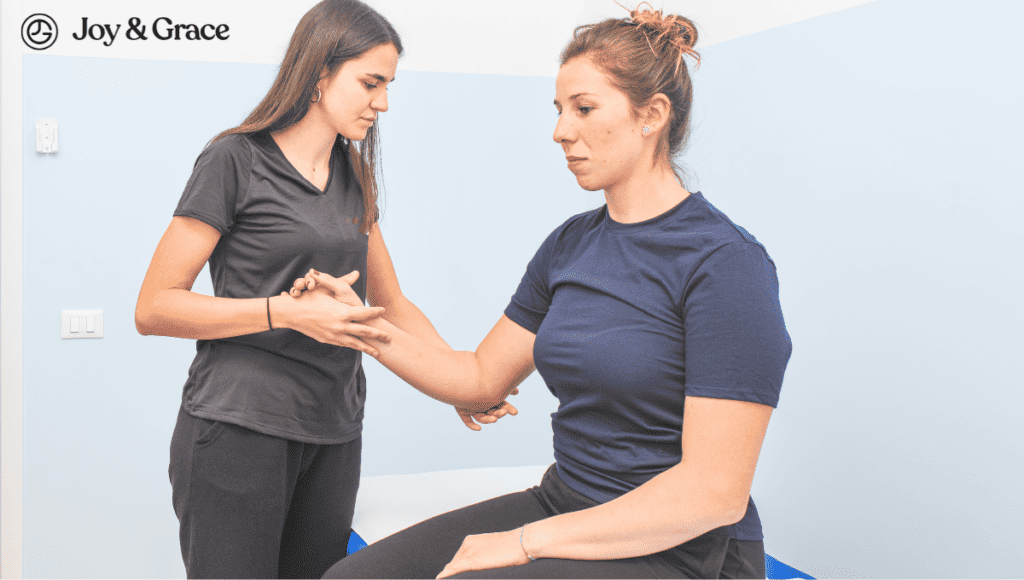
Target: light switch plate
pixel 83 317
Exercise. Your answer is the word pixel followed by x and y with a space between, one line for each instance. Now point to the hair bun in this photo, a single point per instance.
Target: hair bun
pixel 677 31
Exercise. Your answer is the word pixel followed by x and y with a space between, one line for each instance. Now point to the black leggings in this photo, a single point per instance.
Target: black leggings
pixel 255 506
pixel 423 550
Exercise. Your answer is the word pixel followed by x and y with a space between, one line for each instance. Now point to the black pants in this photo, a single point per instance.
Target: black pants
pixel 255 506
pixel 423 550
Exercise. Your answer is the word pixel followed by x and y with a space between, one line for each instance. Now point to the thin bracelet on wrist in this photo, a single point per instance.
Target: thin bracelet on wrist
pixel 527 554
pixel 268 314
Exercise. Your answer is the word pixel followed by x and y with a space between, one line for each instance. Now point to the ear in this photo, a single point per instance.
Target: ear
pixel 657 113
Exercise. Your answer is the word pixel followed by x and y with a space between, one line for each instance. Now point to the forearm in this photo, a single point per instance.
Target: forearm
pixel 186 314
pixel 405 315
pixel 452 377
pixel 672 508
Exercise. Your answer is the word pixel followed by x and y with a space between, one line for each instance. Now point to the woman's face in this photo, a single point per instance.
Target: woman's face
pixel 597 129
pixel 352 98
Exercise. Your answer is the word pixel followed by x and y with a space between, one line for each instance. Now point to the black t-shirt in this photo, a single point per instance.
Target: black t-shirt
pixel 275 225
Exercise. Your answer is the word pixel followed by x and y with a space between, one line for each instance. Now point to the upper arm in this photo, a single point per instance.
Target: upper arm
pixel 505 356
pixel 722 441
pixel 736 344
pixel 180 256
pixel 381 281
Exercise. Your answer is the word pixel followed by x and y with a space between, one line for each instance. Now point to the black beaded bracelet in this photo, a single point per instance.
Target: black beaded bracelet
pixel 268 314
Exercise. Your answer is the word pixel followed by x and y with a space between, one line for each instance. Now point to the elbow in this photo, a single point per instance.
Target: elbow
pixel 732 504
pixel 143 320
pixel 140 324
pixel 734 512
pixel 481 395
pixel 723 504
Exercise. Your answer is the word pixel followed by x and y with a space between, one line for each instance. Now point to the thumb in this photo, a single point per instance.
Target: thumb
pixel 350 278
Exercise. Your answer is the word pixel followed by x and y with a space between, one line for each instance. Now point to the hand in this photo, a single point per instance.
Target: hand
pixel 491 416
pixel 340 288
pixel 486 551
pixel 336 316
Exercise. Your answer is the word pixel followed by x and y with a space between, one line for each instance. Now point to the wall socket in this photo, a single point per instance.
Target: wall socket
pixel 81 324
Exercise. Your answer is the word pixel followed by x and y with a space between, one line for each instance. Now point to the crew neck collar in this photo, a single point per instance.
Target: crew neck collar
pixel 653 223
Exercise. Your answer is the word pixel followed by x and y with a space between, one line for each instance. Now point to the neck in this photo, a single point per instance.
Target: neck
pixel 307 144
pixel 644 195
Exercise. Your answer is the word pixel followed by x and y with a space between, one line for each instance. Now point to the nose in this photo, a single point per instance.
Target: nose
pixel 380 102
pixel 563 130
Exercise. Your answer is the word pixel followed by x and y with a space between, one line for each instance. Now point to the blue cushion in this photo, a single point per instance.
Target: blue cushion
pixel 772 567
pixel 355 543
pixel 775 569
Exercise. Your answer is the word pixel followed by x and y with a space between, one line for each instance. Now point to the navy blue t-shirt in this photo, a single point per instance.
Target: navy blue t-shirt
pixel 632 318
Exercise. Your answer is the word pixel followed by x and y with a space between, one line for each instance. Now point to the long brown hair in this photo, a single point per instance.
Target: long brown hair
pixel 331 33
pixel 643 56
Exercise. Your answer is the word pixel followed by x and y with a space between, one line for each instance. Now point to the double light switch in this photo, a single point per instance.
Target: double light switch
pixel 81 324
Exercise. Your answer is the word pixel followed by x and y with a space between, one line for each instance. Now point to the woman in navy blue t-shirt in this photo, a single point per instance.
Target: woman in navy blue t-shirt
pixel 653 304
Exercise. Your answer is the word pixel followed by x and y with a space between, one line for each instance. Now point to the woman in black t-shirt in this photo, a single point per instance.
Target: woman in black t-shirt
pixel 266 450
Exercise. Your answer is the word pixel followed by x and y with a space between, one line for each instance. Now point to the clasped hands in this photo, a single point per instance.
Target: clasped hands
pixel 326 291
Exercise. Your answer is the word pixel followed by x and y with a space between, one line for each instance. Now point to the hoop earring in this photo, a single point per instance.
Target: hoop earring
pixel 318 95
pixel 646 129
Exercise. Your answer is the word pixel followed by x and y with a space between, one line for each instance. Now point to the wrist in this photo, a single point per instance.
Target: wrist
pixel 530 556
pixel 278 311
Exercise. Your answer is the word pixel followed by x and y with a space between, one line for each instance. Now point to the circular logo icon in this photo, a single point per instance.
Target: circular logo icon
pixel 39 31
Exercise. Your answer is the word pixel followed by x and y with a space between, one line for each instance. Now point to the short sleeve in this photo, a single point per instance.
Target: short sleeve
pixel 530 303
pixel 218 182
pixel 736 343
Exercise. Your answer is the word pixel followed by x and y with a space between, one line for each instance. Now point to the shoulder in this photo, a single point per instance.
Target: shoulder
pixel 575 228
pixel 235 149
pixel 719 231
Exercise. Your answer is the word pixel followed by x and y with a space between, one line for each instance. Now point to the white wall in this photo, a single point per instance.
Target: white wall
pixel 870 149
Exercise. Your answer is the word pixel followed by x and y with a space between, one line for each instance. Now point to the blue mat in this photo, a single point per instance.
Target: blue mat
pixel 355 543
pixel 775 569
pixel 772 567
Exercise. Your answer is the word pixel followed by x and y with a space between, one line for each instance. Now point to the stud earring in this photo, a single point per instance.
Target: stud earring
pixel 646 129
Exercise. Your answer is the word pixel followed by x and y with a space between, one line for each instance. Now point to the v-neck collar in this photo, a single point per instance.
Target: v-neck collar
pixel 298 174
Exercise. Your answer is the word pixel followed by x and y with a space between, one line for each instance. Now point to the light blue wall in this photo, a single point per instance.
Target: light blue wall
pixel 871 150
pixel 875 152
pixel 473 186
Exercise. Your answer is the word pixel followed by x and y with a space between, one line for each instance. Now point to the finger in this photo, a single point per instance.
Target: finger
pixel 333 284
pixel 485 418
pixel 497 412
pixel 468 420
pixel 364 313
pixel 515 391
pixel 355 343
pixel 510 409
pixel 365 332
pixel 350 278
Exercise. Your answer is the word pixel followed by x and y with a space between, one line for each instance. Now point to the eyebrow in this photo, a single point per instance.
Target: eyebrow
pixel 574 97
